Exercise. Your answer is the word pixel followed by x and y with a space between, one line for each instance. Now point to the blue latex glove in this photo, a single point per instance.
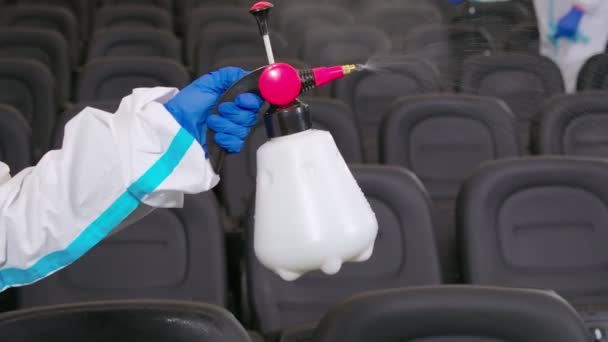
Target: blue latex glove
pixel 234 121
pixel 193 106
pixel 568 25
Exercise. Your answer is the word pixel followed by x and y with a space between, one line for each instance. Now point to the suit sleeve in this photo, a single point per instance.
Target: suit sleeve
pixel 588 6
pixel 111 168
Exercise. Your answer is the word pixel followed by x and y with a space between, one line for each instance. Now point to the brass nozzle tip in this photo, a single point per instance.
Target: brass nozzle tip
pixel 349 68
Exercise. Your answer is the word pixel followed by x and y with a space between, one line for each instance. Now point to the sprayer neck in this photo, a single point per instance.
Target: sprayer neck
pixel 287 120
pixel 307 77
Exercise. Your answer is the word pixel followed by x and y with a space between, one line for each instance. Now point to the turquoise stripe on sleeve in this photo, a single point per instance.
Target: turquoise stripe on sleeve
pixel 107 221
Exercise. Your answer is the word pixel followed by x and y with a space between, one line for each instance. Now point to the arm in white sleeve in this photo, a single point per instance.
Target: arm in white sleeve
pixel 109 165
pixel 588 6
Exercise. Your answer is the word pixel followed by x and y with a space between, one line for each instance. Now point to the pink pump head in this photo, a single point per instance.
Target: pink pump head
pixel 280 84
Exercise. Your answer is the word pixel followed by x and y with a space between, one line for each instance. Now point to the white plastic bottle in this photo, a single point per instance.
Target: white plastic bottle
pixel 310 212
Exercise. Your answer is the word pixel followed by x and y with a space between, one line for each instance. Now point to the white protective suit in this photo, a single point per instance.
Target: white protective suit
pixel 571 56
pixel 110 165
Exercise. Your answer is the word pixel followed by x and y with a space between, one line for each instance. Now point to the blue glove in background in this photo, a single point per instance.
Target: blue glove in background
pixel 193 106
pixel 568 25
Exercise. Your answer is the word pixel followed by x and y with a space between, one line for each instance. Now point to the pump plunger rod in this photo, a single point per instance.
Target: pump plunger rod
pixel 261 11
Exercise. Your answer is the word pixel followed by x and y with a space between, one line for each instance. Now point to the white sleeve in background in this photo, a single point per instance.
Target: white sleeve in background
pixel 588 5
pixel 51 214
pixel 568 55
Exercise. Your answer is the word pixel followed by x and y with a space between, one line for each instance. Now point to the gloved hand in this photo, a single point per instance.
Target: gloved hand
pixel 192 108
pixel 568 24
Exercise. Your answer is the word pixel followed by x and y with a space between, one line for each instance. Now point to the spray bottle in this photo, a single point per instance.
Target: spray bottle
pixel 310 213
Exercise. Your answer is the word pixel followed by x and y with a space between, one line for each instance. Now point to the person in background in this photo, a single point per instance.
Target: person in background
pixel 113 169
pixel 572 31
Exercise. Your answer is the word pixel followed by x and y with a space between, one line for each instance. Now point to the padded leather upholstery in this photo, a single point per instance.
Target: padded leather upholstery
pixel 216 17
pixel 45 46
pixel 523 81
pixel 123 321
pixel 28 86
pixel 83 11
pixel 399 18
pixel 539 223
pixel 447 47
pixel 442 139
pixel 523 38
pixel 166 5
pixel 333 45
pixel 110 79
pixel 134 42
pixel 252 63
pixel 15 139
pixel 214 45
pixel 371 93
pixel 497 17
pixel 594 74
pixel 290 21
pixel 52 18
pixel 453 314
pixel 573 125
pixel 133 16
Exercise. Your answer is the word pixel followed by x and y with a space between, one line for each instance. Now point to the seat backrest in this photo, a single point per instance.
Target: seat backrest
pixel 398 20
pixel 473 130
pixel 54 18
pixel 215 45
pixel 28 86
pixel 82 9
pixel 457 313
pixel 133 16
pixel 214 18
pixel 523 38
pixel 329 45
pixel 447 47
pixel 123 321
pixel 573 125
pixel 169 254
pixel 45 46
pixel 594 74
pixel 497 18
pixel 166 5
pixel 110 79
pixel 15 139
pixel 363 5
pixel 297 19
pixel 252 63
pixel 370 93
pixel 523 81
pixel 442 139
pixel 134 42
pixel 185 7
pixel 404 255
pixel 530 79
pixel 537 223
pixel 528 4
pixel 71 111
pixel 240 170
